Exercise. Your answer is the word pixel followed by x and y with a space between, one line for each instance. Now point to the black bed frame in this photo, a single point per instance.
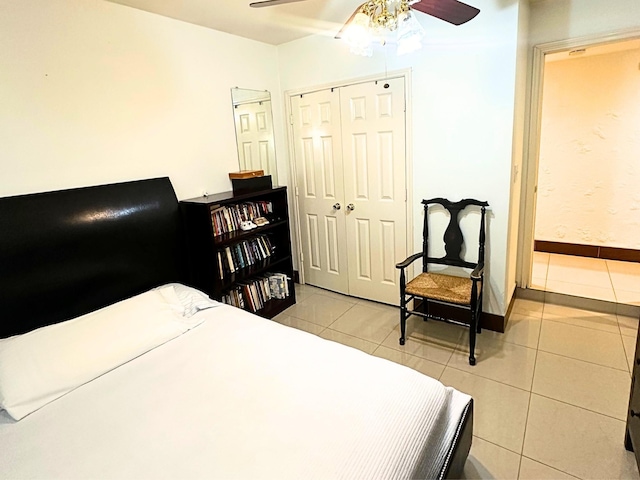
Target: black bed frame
pixel 69 252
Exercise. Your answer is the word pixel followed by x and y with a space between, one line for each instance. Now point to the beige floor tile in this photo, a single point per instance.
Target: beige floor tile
pixel 538 283
pixel 331 294
pixel 381 306
pixel 432 340
pixel 532 470
pixel 489 461
pixel 583 303
pixel 540 265
pixel 628 325
pixel 521 330
pixel 498 360
pixel 578 290
pixel 624 275
pixel 629 344
pixel 582 443
pixel 531 308
pixel 370 323
pixel 575 261
pixel 600 389
pixel 500 411
pixel 627 297
pixel 432 369
pixel 582 270
pixel 586 344
pixel 304 291
pixel 349 340
pixel 299 324
pixel 317 309
pixel 607 322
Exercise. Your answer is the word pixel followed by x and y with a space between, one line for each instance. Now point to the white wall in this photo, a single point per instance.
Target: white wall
pixel 519 120
pixel 93 92
pixel 553 20
pixel 463 93
pixel 589 149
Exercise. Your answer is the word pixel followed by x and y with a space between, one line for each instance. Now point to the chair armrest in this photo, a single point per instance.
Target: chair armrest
pixel 409 260
pixel 477 272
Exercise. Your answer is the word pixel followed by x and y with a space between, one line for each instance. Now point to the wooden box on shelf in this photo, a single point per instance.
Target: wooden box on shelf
pixel 253 268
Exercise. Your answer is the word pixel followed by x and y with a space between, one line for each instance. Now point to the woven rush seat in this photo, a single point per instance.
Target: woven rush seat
pixel 447 288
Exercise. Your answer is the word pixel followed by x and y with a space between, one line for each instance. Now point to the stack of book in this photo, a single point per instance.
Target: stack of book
pixel 252 295
pixel 243 254
pixel 228 218
pixel 278 285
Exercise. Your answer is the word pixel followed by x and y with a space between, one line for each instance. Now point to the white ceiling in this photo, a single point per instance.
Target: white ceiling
pixel 275 25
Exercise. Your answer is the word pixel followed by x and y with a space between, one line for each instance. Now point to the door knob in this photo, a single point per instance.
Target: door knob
pixel 336 206
pixel 351 207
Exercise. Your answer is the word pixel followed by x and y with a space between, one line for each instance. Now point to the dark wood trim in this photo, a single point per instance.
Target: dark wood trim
pixel 593 251
pixel 296 276
pixel 624 254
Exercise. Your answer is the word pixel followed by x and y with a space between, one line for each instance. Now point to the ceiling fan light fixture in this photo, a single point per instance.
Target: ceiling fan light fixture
pixel 358 35
pixel 387 21
pixel 410 34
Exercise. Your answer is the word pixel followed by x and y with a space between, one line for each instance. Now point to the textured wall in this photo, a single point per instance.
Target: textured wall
pixel 589 172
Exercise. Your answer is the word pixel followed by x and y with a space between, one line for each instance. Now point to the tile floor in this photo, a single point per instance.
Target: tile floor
pixel 550 393
pixel 596 278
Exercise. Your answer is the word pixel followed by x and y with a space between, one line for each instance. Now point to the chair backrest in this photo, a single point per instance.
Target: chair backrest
pixel 453 238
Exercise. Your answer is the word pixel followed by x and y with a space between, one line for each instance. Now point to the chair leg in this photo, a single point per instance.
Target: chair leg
pixel 472 338
pixel 478 313
pixel 403 321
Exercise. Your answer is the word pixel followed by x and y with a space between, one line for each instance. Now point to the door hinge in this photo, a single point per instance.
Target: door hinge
pixel 301 258
pixel 291 119
pixel 296 191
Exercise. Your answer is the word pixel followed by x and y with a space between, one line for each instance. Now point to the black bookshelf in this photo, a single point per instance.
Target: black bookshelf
pixel 205 240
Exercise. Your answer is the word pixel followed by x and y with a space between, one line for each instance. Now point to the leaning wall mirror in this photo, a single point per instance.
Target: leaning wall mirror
pixel 254 130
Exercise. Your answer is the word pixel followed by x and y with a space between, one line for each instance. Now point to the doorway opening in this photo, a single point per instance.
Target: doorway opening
pixel 582 228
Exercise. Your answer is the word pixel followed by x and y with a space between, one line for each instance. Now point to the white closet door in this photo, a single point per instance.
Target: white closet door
pixel 254 135
pixel 373 146
pixel 318 157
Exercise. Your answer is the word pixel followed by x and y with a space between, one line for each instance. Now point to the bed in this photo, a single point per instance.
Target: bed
pixel 173 384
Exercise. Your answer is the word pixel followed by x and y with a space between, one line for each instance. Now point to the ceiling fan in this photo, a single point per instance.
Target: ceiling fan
pixel 451 11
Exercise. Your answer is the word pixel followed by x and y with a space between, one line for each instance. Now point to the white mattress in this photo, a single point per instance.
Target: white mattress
pixel 240 397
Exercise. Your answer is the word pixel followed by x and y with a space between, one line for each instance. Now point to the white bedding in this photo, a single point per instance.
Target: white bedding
pixel 240 397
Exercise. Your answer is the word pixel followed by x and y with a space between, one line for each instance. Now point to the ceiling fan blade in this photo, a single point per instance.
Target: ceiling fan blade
pixel 344 27
pixel 451 11
pixel 271 3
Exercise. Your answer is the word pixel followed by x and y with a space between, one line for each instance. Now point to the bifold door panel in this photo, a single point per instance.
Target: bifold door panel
pixel 350 161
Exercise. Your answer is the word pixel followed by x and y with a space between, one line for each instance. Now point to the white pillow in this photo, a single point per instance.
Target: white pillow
pixel 191 300
pixel 44 364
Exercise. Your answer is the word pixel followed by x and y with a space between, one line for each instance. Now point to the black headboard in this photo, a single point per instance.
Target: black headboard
pixel 66 253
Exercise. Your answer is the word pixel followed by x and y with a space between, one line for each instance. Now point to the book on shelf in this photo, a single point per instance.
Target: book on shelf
pixel 254 294
pixel 244 254
pixel 226 219
pixel 279 285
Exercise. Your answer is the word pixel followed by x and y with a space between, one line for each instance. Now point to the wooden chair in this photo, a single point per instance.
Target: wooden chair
pixel 444 289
